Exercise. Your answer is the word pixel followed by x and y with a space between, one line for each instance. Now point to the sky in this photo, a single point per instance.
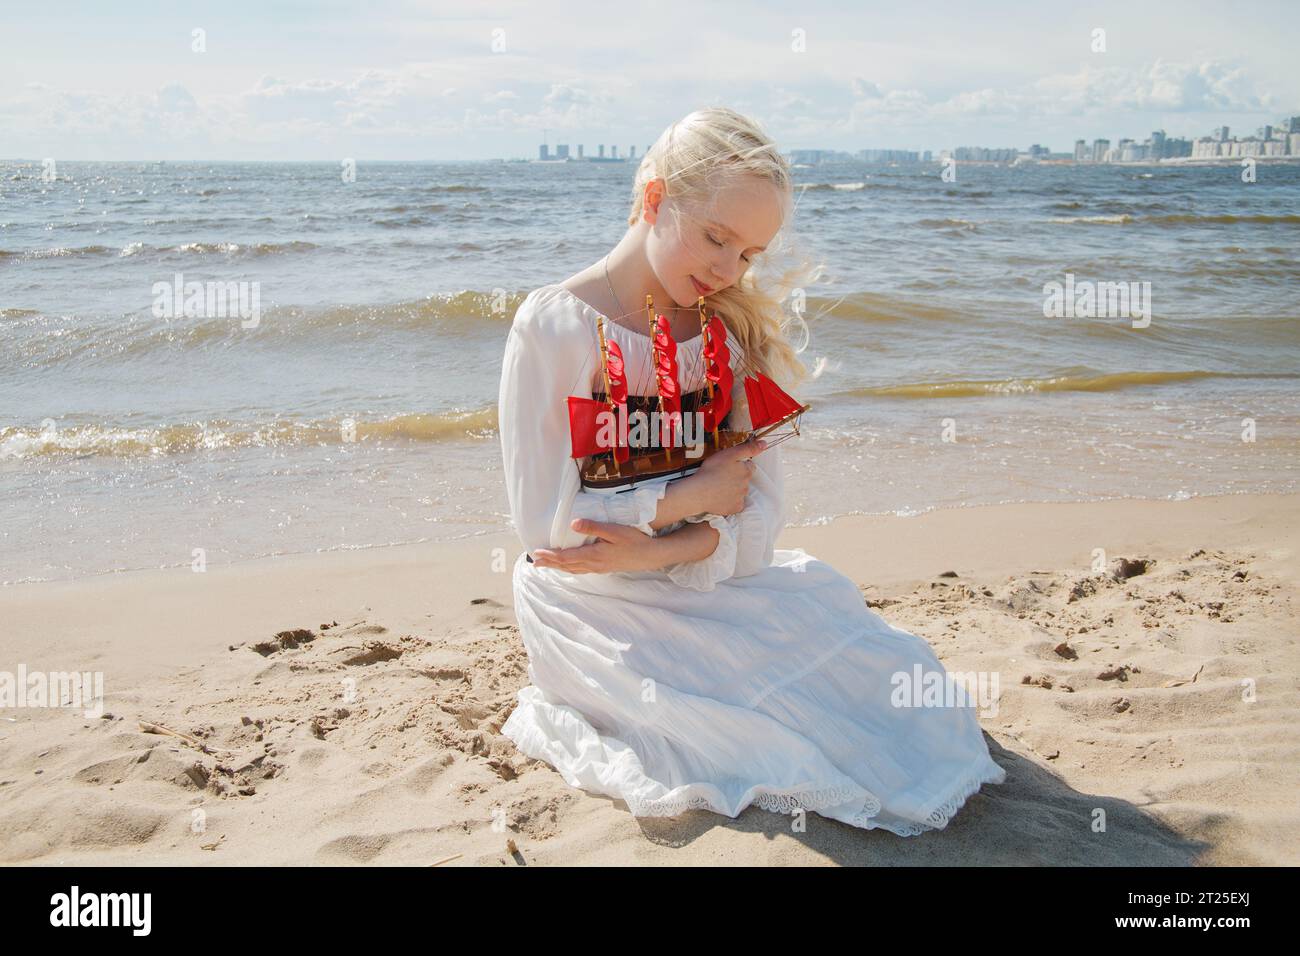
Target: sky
pixel 323 80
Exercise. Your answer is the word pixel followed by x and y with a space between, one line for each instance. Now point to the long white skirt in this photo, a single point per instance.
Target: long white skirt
pixel 779 689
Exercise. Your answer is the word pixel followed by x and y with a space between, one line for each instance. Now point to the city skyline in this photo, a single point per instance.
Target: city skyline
pixel 1273 140
pixel 1284 133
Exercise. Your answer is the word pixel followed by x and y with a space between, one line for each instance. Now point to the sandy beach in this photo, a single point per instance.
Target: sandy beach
pixel 345 708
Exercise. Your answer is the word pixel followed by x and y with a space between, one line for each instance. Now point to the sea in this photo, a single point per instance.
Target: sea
pixel 345 395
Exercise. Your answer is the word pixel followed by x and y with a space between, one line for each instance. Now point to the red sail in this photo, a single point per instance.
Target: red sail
pixel 583 425
pixel 617 377
pixel 717 369
pixel 617 394
pixel 670 393
pixel 585 414
pixel 767 403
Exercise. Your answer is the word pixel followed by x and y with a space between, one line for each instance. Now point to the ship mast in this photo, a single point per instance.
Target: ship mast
pixel 654 360
pixel 654 350
pixel 604 371
pixel 708 382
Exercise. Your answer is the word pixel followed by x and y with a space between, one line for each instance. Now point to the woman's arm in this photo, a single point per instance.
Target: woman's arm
pixel 649 508
pixel 619 547
pixel 747 539
pixel 549 355
pixel 690 542
pixel 678 502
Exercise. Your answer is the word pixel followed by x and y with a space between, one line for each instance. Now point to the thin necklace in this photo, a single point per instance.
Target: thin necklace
pixel 621 313
pixel 611 288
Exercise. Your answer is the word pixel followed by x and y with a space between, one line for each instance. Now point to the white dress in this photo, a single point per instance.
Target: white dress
pixel 755 675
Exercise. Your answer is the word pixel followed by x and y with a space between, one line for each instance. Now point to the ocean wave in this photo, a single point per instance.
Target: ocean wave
pixel 80 441
pixel 404 223
pixel 964 224
pixel 841 187
pixel 139 249
pixel 452 188
pixel 1080 382
pixel 239 249
pixel 417 207
pixel 877 307
pixel 1194 219
pixel 58 252
pixel 470 307
pixel 1186 219
pixel 1116 220
pixel 56 341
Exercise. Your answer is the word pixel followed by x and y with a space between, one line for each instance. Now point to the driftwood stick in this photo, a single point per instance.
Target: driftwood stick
pixel 151 728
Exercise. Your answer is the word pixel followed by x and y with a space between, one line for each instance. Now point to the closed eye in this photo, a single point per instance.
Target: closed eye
pixel 716 243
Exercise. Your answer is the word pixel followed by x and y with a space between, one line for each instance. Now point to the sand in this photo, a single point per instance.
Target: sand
pixel 1161 701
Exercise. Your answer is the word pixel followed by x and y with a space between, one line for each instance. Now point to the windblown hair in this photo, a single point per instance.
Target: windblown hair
pixel 700 155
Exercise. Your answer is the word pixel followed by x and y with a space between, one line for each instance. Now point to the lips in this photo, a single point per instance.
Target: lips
pixel 701 287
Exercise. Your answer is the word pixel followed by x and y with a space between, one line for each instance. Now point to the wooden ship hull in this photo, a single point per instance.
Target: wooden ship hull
pixel 660 464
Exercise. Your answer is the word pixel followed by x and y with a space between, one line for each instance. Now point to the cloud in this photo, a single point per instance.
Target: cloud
pixel 573 107
pixel 1181 87
pixel 406 109
pixel 865 89
pixel 175 98
pixel 1211 86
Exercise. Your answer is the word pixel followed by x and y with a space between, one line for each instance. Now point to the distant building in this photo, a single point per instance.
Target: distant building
pixel 981 154
pixel 1131 152
pixel 815 157
pixel 563 153
pixel 1158 144
pixel 1271 141
pixel 1274 140
pixel 1281 140
pixel 888 156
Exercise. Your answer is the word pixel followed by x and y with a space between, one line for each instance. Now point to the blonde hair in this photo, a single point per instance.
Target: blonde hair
pixel 696 157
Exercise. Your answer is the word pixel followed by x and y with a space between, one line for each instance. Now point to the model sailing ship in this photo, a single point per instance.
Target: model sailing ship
pixel 596 425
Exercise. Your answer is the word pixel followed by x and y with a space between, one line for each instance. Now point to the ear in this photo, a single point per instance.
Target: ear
pixel 651 198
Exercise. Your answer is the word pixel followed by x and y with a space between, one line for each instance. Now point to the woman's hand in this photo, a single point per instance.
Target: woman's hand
pixel 620 548
pixel 722 482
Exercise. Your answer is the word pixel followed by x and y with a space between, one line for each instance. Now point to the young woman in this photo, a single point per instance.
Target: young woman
pixel 677 659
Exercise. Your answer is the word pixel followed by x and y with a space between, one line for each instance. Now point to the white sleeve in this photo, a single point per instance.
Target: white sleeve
pixel 551 354
pixel 747 539
pixel 636 508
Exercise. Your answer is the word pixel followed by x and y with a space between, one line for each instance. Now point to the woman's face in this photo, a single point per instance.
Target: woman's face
pixel 699 251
